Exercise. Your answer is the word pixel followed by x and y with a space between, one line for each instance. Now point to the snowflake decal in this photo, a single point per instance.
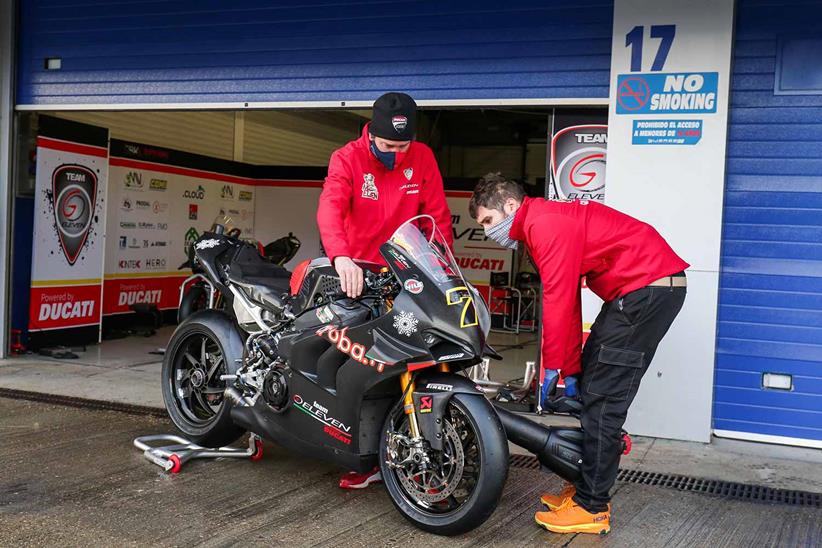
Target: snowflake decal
pixel 405 323
pixel 207 244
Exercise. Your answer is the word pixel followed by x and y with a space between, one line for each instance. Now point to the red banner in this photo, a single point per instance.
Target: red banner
pixel 120 294
pixel 64 306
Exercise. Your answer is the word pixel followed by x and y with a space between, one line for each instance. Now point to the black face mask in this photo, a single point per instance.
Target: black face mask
pixel 388 159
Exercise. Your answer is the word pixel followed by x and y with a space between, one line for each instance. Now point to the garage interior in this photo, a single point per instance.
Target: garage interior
pixel 468 143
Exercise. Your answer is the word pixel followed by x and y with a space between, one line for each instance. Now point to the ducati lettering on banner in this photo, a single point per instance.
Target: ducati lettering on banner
pixel 476 256
pixel 69 208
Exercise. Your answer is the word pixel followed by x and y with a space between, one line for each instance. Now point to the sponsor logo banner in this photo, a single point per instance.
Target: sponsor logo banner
pixel 578 156
pixel 69 205
pixel 60 307
pixel 120 295
pixel 75 189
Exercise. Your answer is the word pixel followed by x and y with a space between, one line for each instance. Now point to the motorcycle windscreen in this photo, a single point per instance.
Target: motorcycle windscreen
pixel 450 310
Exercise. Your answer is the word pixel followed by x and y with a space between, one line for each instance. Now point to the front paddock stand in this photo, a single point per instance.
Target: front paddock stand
pixel 171 458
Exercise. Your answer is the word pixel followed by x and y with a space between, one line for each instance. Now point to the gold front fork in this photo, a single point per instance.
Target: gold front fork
pixel 407 385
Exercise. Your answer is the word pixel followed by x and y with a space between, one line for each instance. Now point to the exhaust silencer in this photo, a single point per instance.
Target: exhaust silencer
pixel 558 449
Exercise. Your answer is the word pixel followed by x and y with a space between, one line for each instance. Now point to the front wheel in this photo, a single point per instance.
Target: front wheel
pixel 451 491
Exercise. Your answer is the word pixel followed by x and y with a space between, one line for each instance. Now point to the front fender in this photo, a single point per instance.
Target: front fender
pixel 431 396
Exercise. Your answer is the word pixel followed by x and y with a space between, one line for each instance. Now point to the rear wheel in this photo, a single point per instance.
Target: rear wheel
pixel 196 298
pixel 451 491
pixel 192 389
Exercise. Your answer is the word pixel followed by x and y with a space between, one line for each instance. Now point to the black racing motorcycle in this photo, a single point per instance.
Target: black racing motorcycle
pixel 357 382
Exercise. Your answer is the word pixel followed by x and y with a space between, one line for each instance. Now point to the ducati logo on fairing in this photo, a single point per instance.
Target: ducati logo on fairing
pixel 369 189
pixel 399 123
pixel 74 189
pixel 345 345
pixel 408 172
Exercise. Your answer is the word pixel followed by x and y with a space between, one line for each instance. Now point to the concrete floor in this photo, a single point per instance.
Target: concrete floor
pixel 72 478
pixel 128 371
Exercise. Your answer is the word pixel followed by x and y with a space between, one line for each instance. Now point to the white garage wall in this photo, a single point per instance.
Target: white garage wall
pixel 305 138
pixel 206 133
pixel 283 210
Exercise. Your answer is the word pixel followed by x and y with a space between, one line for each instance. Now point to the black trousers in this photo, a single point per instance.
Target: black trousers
pixel 617 354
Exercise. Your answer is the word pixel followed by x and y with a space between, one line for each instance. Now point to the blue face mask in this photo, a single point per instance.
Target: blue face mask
pixel 501 232
pixel 388 159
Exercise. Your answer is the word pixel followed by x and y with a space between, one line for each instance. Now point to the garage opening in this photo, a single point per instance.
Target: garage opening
pixel 137 188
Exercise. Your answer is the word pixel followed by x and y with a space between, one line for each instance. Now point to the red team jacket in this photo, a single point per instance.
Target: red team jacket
pixel 567 240
pixel 363 203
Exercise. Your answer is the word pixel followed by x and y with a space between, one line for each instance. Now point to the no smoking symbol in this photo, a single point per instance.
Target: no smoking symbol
pixel 633 93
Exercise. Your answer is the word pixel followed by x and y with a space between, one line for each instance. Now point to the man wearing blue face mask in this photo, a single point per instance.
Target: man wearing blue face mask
pixel 374 185
pixel 642 281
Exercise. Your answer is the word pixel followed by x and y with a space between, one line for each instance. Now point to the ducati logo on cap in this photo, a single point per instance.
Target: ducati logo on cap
pixel 408 172
pixel 399 123
pixel 74 189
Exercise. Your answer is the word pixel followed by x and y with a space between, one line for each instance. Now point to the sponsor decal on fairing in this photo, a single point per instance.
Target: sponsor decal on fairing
pixel 413 286
pixel 207 244
pixel 406 323
pixel 331 426
pixel 345 345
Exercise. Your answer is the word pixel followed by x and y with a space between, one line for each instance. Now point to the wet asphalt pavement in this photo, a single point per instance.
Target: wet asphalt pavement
pixel 71 477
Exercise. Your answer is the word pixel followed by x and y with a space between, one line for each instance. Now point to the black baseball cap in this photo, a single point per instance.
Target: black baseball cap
pixel 394 117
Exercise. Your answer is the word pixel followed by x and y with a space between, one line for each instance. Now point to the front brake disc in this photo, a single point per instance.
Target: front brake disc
pixel 433 488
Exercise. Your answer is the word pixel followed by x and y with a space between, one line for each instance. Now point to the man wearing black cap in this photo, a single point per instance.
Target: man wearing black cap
pixel 374 185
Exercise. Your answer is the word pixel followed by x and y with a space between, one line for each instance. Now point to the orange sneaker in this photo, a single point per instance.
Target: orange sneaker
pixel 555 501
pixel 572 518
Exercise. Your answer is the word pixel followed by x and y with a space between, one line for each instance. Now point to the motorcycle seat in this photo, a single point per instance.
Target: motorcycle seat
pixel 262 280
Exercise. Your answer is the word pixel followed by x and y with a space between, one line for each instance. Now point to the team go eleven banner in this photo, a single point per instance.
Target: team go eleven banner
pixel 70 206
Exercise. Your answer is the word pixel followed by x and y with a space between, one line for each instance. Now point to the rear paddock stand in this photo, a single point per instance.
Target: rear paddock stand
pixel 171 458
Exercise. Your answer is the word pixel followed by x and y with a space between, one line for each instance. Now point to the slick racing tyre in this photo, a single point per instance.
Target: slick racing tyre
pixel 196 298
pixel 203 348
pixel 460 486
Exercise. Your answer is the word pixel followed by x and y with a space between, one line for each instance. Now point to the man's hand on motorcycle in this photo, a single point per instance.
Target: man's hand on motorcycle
pixel 351 276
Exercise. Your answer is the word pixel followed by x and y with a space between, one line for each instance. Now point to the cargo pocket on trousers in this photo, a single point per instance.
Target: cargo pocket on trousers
pixel 615 373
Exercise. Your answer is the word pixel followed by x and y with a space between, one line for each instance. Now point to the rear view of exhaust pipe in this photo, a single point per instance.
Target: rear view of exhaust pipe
pixel 557 448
